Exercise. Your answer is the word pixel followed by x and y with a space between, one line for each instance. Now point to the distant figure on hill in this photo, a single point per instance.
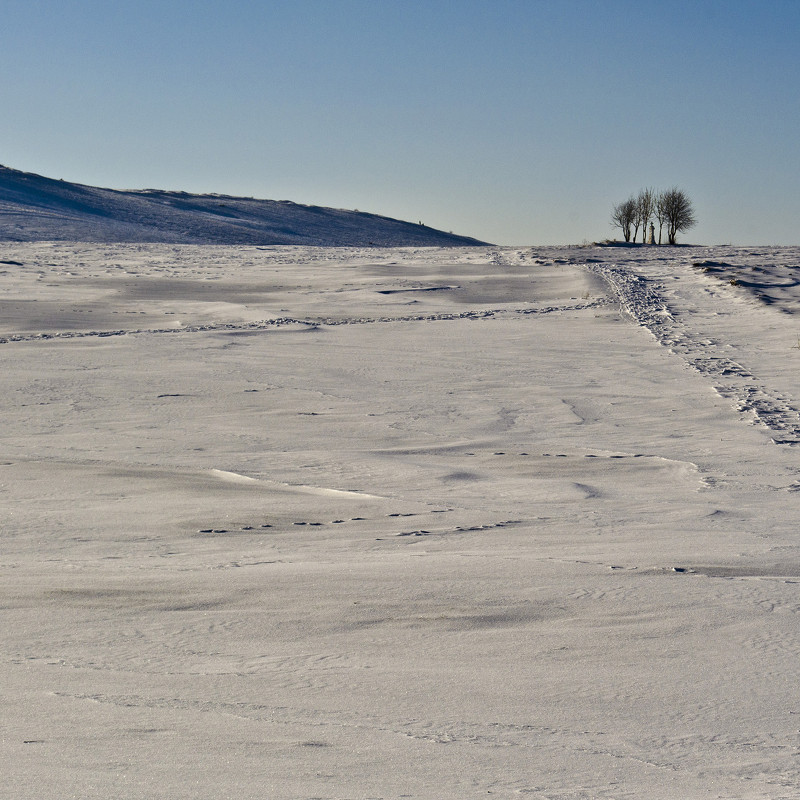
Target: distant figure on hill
pixel 651 239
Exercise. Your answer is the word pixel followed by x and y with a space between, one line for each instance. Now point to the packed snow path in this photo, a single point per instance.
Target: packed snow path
pixel 673 313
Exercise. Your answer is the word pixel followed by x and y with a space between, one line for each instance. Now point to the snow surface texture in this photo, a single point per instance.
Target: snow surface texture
pixel 34 208
pixel 426 523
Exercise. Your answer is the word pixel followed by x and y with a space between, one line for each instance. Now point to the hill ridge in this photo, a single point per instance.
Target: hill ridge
pixel 36 208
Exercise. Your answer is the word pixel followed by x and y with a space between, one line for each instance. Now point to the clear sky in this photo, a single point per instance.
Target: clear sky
pixel 514 121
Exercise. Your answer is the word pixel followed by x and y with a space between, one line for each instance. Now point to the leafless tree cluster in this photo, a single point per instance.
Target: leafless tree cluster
pixel 670 208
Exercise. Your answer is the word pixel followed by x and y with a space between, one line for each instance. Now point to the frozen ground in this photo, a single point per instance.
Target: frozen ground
pixel 426 523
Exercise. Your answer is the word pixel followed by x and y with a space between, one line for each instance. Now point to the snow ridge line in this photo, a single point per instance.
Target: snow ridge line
pixel 640 300
pixel 277 322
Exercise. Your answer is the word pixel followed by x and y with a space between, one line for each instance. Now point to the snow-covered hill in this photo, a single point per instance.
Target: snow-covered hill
pixel 35 208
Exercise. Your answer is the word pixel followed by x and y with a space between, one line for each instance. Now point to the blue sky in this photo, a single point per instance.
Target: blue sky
pixel 514 121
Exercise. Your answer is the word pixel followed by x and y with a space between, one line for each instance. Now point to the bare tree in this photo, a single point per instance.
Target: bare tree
pixel 623 216
pixel 637 220
pixel 661 212
pixel 678 212
pixel 645 205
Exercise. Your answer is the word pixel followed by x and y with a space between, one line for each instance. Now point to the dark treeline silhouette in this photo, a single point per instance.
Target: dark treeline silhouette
pixel 670 208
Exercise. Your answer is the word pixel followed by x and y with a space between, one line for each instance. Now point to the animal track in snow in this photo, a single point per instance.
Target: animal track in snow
pixel 457 529
pixel 305 324
pixel 258 528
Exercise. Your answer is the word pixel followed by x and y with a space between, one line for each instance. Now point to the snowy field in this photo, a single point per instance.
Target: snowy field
pixel 420 523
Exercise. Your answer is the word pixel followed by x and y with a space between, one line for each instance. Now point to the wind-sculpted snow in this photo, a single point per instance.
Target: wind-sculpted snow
pixel 282 521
